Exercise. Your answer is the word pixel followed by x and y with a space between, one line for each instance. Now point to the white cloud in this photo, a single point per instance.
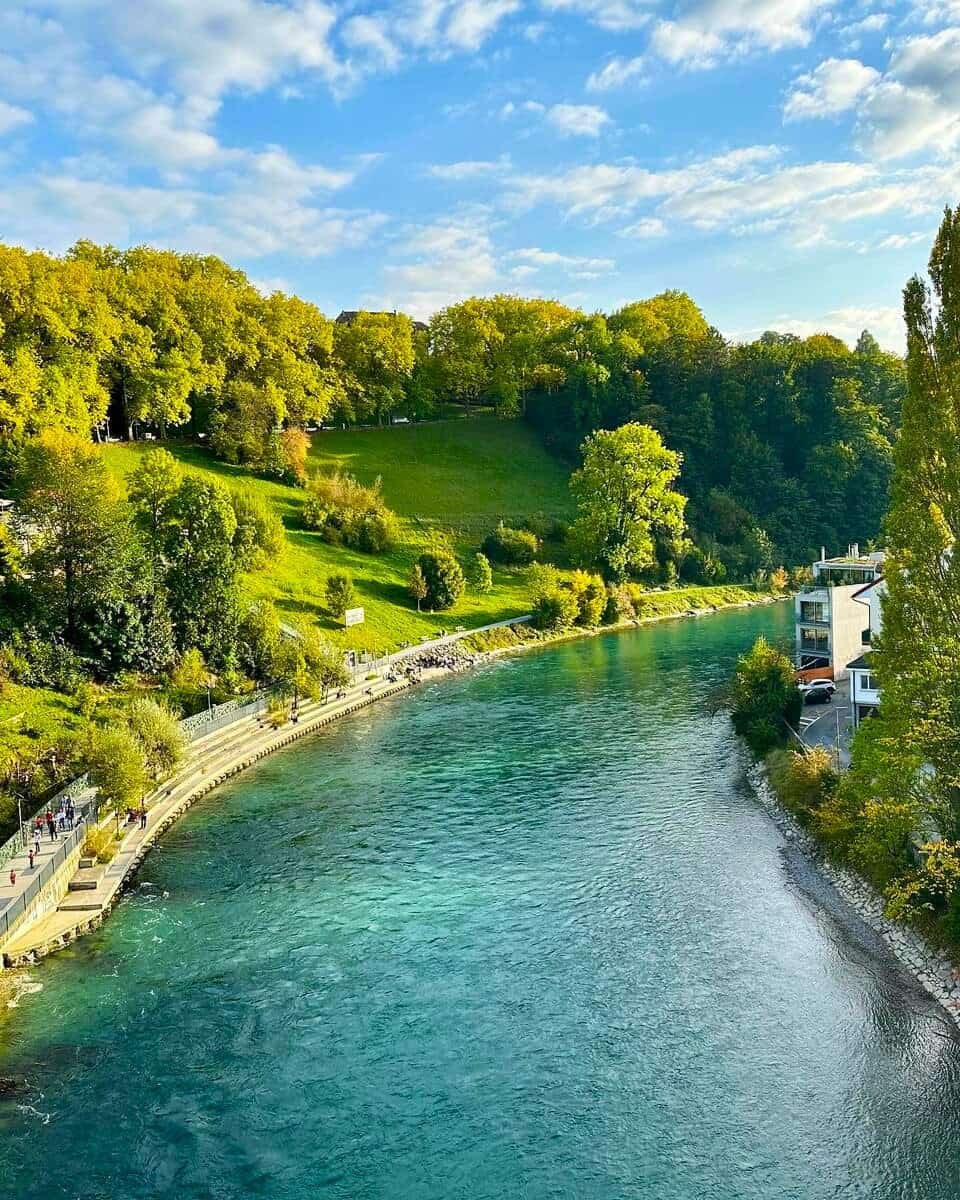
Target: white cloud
pixel 873 23
pixel 472 21
pixel 615 73
pixel 616 15
pixel 369 35
pixel 12 117
pixel 833 88
pixel 536 258
pixel 846 323
pixel 450 259
pixel 646 227
pixel 578 120
pixel 897 241
pixel 687 45
pixel 469 169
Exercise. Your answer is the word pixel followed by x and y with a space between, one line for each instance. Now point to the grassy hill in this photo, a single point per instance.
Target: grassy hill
pixel 459 476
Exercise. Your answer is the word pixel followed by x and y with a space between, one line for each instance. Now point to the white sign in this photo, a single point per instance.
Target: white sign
pixel 353 616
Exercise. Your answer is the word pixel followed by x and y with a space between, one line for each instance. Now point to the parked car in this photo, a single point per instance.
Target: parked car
pixel 817 691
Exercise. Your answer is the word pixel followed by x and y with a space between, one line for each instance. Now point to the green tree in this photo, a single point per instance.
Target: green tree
pixel 117 766
pixel 71 514
pixel 444 579
pixel 481 576
pixel 340 593
pixel 159 734
pixel 201 575
pixel 556 609
pixel 417 585
pixel 151 487
pixel 765 697
pixel 625 500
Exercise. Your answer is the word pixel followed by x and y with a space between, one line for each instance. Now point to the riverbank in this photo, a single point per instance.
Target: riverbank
pixel 227 752
pixel 932 968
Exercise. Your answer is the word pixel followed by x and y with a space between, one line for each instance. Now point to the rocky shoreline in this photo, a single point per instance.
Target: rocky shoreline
pixel 932 968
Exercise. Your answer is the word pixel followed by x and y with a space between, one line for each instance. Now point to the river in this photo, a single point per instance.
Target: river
pixel 522 933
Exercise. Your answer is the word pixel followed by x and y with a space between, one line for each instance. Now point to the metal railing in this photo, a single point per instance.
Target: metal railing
pixel 67 843
pixel 212 719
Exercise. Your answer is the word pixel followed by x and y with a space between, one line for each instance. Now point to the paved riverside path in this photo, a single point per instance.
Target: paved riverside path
pixel 209 761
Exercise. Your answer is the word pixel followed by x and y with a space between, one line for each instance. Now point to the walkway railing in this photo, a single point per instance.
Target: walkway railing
pixel 13 914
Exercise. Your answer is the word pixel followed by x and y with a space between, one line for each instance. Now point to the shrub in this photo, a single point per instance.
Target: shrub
pixel 259 535
pixel 617 607
pixel 591 597
pixel 340 593
pixel 542 578
pixel 100 844
pixel 765 695
pixel 117 765
pixel 803 781
pixel 294 445
pixel 556 610
pixel 190 672
pixel 512 547
pixel 345 512
pixel 444 579
pixel 158 732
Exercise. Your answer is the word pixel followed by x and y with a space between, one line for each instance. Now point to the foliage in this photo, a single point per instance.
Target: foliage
pixel 624 499
pixel 803 781
pixel 347 513
pixel 259 538
pixel 444 578
pixel 556 609
pixel 100 843
pixel 765 697
pixel 190 671
pixel 512 547
pixel 591 597
pixel 481 576
pixel 417 584
pixel 159 734
pixel 117 765
pixel 340 594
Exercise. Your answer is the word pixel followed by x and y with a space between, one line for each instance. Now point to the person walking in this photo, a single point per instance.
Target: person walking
pixel 13 876
pixel 36 841
pixel 31 855
pixel 143 817
pixel 51 827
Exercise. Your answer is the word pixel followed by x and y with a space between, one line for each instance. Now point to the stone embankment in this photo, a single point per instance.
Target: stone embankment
pixel 931 967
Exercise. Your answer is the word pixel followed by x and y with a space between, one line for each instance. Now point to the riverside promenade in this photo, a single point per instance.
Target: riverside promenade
pixel 209 761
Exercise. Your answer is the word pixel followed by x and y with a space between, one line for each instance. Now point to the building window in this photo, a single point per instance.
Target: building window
pixel 813 610
pixel 870 683
pixel 815 639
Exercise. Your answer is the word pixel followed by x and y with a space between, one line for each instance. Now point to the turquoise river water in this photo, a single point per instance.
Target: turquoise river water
pixel 522 933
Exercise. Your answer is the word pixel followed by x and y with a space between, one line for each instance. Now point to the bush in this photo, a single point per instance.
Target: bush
pixel 591 597
pixel 259 537
pixel 345 512
pixel 159 733
pixel 617 607
pixel 99 843
pixel 556 610
pixel 444 579
pixel 117 765
pixel 511 547
pixel 765 696
pixel 803 781
pixel 340 593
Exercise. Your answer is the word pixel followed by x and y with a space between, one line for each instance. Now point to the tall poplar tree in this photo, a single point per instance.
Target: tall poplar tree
pixel 918 660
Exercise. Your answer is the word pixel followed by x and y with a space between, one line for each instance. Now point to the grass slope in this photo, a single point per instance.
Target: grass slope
pixel 459 476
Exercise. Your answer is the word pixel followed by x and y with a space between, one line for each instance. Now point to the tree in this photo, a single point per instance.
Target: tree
pixel 117 766
pixel 159 734
pixel 444 579
pixel 765 697
pixel 258 639
pixel 340 594
pixel 624 498
pixel 151 487
pixel 202 568
pixel 417 586
pixel 71 514
pixel 556 609
pixel 481 576
pixel 918 658
pixel 375 354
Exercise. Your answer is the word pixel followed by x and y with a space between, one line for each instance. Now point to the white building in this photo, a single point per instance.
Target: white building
pixel 864 690
pixel 830 620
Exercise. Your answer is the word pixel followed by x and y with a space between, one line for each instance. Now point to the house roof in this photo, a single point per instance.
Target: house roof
pixel 859 664
pixel 867 586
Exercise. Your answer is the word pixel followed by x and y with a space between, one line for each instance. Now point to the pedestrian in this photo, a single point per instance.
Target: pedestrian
pixel 36 842
pixel 61 820
pixel 51 828
pixel 13 877
pixel 71 811
pixel 49 816
pixel 31 854
pixel 143 817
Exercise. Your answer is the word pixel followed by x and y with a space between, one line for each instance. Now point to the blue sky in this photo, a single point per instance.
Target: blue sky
pixel 784 161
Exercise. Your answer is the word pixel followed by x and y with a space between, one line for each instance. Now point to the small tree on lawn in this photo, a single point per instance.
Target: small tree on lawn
pixel 481 576
pixel 417 585
pixel 444 579
pixel 340 594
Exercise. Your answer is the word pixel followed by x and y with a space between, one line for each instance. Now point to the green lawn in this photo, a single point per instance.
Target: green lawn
pixel 460 476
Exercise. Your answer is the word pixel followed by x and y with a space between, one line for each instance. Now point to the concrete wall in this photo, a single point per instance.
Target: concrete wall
pixel 847 624
pixel 48 898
